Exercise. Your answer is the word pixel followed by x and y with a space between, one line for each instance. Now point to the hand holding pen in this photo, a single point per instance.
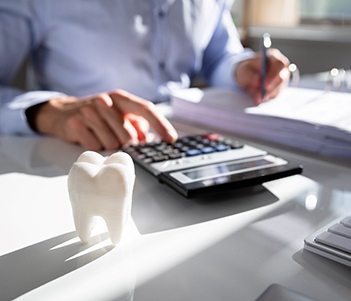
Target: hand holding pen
pixel 265 75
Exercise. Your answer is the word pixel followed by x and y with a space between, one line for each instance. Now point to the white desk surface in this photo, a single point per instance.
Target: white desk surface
pixel 228 247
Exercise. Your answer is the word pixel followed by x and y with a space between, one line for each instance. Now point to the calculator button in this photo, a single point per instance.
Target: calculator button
pixel 169 151
pixel 175 156
pixel 198 137
pixel 178 145
pixel 207 150
pixel 159 158
pixel 130 149
pixel 237 145
pixel 145 150
pixel 152 153
pixel 212 136
pixel 193 152
pixel 161 147
pixel 184 140
pixel 193 143
pixel 140 156
pixel 134 154
pixel 147 161
pixel 227 141
pixel 222 147
pixel 233 144
pixel 213 143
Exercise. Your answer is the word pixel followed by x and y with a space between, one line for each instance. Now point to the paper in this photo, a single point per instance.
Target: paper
pixel 313 120
pixel 314 106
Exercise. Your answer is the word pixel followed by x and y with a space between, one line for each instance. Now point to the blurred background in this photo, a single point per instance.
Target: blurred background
pixel 314 34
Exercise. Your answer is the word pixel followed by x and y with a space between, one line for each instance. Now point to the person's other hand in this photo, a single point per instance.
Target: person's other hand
pixel 247 75
pixel 105 121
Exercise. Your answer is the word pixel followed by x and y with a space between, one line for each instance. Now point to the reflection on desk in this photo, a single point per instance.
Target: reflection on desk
pixel 47 156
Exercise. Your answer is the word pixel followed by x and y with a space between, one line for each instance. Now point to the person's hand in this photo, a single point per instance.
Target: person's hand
pixel 105 121
pixel 247 75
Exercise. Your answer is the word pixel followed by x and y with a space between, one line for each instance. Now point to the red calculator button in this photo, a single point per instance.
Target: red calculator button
pixel 213 136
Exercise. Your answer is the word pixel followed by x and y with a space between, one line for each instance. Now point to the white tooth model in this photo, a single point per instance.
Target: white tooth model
pixel 102 187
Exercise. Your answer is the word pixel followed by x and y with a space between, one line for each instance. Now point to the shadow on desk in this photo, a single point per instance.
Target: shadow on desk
pixel 28 268
pixel 157 207
pixel 323 268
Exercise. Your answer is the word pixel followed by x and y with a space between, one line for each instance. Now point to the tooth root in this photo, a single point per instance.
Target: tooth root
pixel 115 224
pixel 84 223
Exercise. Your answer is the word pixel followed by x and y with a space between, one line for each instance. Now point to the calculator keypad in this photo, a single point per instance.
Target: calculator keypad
pixel 188 146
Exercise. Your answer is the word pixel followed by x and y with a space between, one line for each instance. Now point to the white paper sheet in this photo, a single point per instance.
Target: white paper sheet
pixel 313 120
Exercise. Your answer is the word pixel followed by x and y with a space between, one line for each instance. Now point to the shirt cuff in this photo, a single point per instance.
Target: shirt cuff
pixel 13 119
pixel 223 75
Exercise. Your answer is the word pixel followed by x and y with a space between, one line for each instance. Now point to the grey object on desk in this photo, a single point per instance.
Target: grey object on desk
pixel 277 292
pixel 332 241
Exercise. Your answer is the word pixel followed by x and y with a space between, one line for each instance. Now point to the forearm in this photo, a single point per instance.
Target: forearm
pixel 223 53
pixel 224 74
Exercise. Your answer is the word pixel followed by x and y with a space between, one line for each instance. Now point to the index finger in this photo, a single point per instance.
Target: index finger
pixel 129 103
pixel 277 62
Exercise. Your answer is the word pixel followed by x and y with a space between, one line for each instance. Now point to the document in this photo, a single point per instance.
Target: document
pixel 307 119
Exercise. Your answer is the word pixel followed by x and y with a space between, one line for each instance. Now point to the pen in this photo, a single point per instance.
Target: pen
pixel 266 44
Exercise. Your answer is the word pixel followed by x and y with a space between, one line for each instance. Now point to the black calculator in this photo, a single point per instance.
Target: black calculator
pixel 201 163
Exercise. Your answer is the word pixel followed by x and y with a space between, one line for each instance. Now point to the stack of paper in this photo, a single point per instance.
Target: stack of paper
pixel 312 120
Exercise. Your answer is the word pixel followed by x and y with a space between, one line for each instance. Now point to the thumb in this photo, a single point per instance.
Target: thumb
pixel 247 73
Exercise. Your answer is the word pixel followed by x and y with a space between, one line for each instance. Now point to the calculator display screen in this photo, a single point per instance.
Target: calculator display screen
pixel 222 169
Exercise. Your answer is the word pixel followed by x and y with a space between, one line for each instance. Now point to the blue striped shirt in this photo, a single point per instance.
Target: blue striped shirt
pixel 83 47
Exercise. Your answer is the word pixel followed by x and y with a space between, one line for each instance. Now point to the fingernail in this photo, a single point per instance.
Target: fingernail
pixel 173 134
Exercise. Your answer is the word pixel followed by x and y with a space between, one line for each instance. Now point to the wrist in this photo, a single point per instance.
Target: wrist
pixel 239 74
pixel 49 116
pixel 31 115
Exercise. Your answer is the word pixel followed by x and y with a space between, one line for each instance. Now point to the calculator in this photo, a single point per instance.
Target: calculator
pixel 209 162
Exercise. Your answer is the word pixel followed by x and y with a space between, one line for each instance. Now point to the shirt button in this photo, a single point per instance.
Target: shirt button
pixel 161 13
pixel 162 65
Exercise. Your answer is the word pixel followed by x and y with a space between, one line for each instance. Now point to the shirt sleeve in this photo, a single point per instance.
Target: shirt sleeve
pixel 18 36
pixel 12 114
pixel 224 52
